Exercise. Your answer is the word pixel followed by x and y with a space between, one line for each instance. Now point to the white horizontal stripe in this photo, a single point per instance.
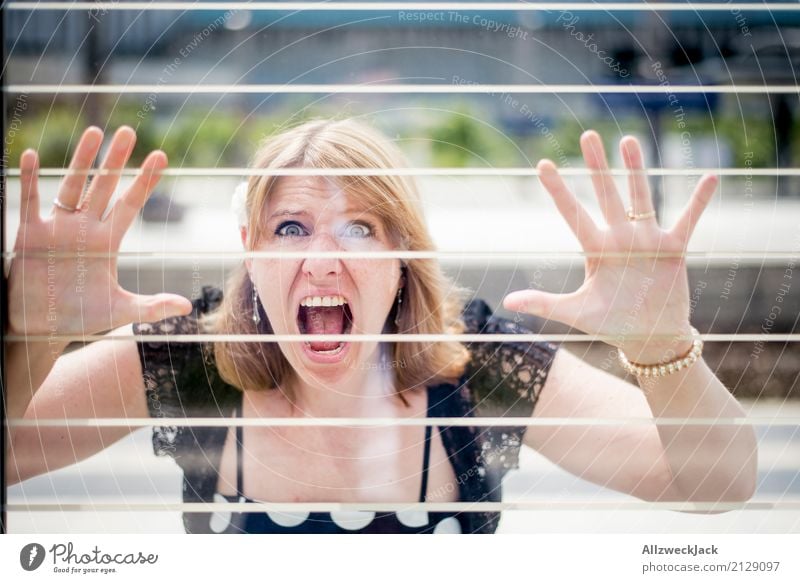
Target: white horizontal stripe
pixel 506 260
pixel 441 255
pixel 406 6
pixel 467 338
pixel 394 421
pixel 15 172
pixel 393 89
pixel 194 507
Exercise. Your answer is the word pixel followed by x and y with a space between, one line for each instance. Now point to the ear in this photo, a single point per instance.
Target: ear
pixel 243 235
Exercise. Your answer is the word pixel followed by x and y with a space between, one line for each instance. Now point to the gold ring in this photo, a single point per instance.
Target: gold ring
pixel 64 207
pixel 641 216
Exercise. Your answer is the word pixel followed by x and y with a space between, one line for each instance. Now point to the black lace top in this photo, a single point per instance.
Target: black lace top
pixel 501 379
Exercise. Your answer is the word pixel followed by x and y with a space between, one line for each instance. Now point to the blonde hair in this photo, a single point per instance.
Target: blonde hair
pixel 431 303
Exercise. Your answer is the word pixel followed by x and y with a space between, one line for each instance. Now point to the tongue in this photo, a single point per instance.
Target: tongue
pixel 324 321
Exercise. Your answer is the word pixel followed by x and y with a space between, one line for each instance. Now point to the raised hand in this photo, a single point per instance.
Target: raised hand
pixel 78 294
pixel 642 302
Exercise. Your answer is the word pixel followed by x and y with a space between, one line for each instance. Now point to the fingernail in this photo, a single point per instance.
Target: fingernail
pixel 94 135
pixel 126 132
pixel 125 139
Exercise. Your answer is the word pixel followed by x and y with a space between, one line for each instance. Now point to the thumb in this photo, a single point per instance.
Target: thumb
pixel 542 304
pixel 144 308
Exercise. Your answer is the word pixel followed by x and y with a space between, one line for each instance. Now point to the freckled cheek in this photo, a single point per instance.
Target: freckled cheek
pixel 376 282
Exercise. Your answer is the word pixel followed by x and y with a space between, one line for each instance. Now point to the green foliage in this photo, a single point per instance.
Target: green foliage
pixel 743 135
pixel 229 137
pixel 202 138
pixel 221 138
pixel 53 134
pixel 462 139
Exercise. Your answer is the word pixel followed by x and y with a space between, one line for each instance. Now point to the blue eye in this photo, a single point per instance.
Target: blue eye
pixel 291 229
pixel 358 230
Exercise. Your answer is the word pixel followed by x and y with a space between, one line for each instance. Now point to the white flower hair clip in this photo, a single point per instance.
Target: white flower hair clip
pixel 239 204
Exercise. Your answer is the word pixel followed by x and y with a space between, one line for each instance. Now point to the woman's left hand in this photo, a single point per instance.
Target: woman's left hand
pixel 641 302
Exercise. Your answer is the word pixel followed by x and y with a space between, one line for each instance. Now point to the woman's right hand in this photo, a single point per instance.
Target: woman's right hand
pixel 77 294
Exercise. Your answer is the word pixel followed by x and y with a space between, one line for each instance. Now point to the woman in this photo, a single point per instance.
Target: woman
pixel 640 300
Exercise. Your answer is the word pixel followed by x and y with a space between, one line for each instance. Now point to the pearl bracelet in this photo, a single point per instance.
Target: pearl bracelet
pixel 660 370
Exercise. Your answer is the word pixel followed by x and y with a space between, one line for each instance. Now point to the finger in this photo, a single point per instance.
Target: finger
pixel 641 199
pixel 573 212
pixel 129 204
pixel 102 187
pixel 559 307
pixel 74 182
pixel 29 186
pixel 698 202
pixel 595 156
pixel 143 308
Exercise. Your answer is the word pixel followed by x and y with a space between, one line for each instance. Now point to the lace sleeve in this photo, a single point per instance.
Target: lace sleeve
pixel 180 378
pixel 505 379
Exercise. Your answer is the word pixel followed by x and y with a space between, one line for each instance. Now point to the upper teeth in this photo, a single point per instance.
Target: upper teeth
pixel 323 301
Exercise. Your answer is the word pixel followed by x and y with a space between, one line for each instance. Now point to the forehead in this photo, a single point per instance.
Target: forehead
pixel 317 191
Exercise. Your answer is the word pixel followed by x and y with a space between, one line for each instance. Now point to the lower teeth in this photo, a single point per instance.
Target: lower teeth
pixel 332 351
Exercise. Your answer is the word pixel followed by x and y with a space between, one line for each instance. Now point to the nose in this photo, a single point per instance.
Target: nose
pixel 319 268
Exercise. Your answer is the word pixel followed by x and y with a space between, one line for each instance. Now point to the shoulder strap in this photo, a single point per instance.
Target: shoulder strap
pixel 239 448
pixel 426 455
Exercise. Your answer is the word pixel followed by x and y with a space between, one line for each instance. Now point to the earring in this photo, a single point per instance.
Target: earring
pixel 256 316
pixel 397 309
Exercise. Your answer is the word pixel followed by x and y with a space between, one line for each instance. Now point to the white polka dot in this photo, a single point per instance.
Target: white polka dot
pixel 352 519
pixel 219 520
pixel 449 525
pixel 412 518
pixel 288 519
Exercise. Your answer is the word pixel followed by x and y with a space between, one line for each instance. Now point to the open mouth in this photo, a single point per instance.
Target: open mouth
pixel 325 315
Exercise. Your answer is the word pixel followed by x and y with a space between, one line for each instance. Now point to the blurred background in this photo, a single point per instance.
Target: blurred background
pixel 753 222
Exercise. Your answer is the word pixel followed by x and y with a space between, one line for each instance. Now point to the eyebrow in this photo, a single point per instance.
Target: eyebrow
pixel 297 213
pixel 287 213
